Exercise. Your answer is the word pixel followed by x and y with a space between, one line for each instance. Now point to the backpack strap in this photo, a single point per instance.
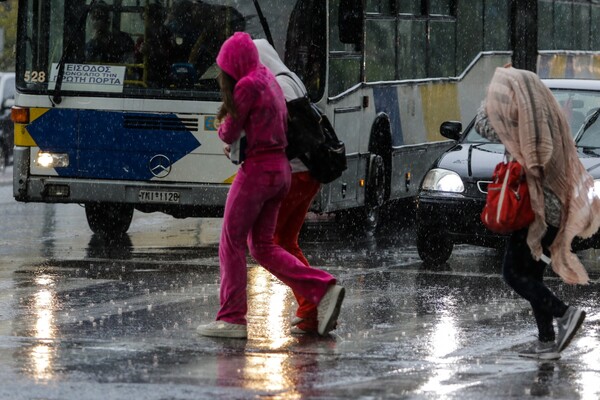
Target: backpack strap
pixel 293 79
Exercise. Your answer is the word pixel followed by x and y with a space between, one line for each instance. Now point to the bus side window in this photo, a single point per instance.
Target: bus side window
pixel 345 59
pixel 350 21
pixel 306 45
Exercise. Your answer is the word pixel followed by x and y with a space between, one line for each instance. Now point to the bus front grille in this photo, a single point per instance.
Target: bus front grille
pixel 160 123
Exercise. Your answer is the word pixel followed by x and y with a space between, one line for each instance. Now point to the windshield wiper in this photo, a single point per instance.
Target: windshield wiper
pixel 264 23
pixel 589 122
pixel 67 49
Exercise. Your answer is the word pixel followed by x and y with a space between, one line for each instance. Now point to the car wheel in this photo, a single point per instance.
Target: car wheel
pixel 433 247
pixel 108 219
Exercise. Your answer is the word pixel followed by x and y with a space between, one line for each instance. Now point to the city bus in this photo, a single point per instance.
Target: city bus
pixel 116 99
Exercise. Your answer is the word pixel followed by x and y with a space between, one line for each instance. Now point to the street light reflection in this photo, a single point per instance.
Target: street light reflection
pixel 591 360
pixel 444 338
pixel 42 354
pixel 443 341
pixel 269 301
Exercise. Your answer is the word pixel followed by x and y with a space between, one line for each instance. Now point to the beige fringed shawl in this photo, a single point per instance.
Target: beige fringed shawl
pixel 532 127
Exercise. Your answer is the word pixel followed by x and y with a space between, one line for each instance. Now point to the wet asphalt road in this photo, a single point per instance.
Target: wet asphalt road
pixel 82 318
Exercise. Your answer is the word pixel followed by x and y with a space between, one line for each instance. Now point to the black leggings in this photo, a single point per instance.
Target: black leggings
pixel 525 276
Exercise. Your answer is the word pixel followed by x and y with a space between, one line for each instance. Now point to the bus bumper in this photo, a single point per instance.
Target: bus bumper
pixel 184 200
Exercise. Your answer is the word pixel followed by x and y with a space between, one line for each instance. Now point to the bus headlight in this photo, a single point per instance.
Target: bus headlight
pixel 52 160
pixel 443 180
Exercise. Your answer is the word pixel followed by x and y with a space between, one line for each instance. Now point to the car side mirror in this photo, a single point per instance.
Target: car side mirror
pixel 451 129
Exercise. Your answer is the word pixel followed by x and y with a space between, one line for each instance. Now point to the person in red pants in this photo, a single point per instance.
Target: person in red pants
pixel 303 189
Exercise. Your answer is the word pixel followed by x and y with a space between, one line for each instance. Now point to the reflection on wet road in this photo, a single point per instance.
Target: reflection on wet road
pixel 83 317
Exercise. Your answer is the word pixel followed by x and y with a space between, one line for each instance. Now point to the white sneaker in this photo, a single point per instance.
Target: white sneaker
pixel 328 309
pixel 568 325
pixel 223 329
pixel 541 351
pixel 296 320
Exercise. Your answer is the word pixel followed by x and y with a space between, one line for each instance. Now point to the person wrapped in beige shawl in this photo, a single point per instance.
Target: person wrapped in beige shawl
pixel 522 113
pixel 531 125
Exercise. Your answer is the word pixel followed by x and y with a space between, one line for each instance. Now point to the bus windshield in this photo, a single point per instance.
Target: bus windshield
pixel 136 48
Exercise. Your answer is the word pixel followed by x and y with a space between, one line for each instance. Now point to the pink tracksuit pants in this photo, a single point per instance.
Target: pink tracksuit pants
pixel 250 218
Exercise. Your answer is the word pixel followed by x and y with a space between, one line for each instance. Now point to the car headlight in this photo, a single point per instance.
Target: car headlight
pixel 443 180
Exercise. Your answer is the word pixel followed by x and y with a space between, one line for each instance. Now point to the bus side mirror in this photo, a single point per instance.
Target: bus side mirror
pixel 451 129
pixel 351 21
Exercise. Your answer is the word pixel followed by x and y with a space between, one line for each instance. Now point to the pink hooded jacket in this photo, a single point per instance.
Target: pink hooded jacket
pixel 260 104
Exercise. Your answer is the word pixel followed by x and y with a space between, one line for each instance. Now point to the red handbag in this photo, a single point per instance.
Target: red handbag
pixel 508 206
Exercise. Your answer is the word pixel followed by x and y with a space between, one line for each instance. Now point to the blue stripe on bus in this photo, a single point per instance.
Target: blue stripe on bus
pixel 386 101
pixel 100 146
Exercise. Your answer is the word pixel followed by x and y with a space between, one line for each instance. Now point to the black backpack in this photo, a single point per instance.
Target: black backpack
pixel 312 139
pixel 327 160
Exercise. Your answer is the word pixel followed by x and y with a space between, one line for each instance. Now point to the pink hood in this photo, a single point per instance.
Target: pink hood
pixel 258 99
pixel 238 56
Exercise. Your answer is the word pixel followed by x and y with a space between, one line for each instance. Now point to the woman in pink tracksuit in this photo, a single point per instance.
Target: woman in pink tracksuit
pixel 254 103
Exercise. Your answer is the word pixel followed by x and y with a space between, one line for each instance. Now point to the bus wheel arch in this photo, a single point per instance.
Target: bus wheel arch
pixel 109 219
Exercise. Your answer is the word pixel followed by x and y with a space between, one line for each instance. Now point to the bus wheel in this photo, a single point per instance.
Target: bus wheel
pixel 374 193
pixel 433 247
pixel 109 219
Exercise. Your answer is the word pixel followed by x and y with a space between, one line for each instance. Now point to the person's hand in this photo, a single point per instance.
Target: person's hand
pixel 227 150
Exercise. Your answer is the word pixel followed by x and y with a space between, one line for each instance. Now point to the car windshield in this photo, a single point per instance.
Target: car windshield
pixel 578 106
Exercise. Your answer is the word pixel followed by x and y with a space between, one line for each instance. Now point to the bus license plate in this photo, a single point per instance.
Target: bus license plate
pixel 155 196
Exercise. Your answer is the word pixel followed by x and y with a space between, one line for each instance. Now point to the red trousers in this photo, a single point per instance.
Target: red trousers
pixel 289 222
